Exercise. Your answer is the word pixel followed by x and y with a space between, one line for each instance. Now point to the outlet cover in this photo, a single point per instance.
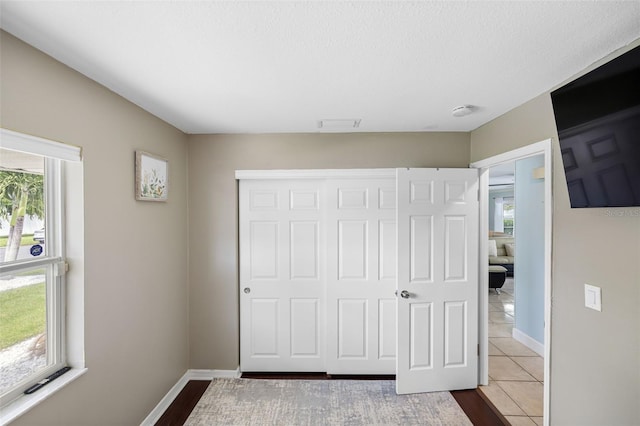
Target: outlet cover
pixel 593 297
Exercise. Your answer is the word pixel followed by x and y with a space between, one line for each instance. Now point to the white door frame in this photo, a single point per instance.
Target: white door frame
pixel 544 147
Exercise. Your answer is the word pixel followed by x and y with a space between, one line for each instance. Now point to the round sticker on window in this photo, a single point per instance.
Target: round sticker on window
pixel 36 250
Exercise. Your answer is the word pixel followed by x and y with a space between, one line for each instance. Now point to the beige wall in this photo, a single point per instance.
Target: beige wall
pixel 213 213
pixel 135 258
pixel 595 356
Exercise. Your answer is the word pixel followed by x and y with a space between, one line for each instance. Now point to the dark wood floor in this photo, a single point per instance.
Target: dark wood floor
pixel 181 407
pixel 479 411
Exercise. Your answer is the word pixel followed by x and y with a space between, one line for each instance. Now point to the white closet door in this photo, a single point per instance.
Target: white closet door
pixel 437 279
pixel 361 273
pixel 281 276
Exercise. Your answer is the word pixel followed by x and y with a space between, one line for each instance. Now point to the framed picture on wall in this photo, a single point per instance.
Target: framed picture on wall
pixel 152 177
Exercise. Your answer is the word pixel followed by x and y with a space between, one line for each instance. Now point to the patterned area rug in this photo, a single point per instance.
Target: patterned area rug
pixel 321 402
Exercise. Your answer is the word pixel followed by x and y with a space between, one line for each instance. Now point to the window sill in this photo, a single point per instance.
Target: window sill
pixel 27 402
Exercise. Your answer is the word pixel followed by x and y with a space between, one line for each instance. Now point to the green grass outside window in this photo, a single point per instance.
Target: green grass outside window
pixel 27 240
pixel 22 314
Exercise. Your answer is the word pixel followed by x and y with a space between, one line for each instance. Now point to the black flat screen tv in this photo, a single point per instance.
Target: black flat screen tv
pixel 598 122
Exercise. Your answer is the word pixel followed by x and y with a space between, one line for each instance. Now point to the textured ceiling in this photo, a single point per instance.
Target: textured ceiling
pixel 262 67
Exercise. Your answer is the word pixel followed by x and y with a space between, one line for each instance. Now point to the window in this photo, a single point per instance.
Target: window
pixel 32 261
pixel 508 214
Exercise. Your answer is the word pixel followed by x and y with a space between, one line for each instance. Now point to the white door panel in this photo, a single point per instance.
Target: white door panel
pixel 353 198
pixel 437 215
pixel 421 248
pixel 387 329
pixel 263 261
pixel 305 328
pixel 304 199
pixel 421 335
pixel 387 249
pixel 352 336
pixel 264 327
pixel 361 269
pixel 305 250
pixel 281 276
pixel 455 331
pixel 455 248
pixel 353 256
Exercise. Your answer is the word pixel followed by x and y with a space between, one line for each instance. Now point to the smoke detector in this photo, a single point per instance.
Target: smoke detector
pixel 461 111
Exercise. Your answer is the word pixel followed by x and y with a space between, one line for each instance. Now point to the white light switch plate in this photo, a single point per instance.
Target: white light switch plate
pixel 593 297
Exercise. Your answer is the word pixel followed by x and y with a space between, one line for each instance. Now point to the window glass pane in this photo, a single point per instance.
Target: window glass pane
pixel 22 206
pixel 508 206
pixel 23 330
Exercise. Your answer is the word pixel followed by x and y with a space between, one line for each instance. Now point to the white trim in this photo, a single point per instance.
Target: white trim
pixel 316 174
pixel 516 154
pixel 34 145
pixel 528 341
pixel 28 263
pixel 26 402
pixel 548 251
pixel 483 296
pixel 74 255
pixel 166 401
pixel 214 374
pixel 542 147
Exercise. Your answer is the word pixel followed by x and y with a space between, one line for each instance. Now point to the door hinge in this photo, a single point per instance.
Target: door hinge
pixel 478 349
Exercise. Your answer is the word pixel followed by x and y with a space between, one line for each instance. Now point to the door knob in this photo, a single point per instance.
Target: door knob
pixel 247 290
pixel 405 294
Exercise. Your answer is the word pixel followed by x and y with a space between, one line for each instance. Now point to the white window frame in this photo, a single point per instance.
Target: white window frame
pixel 60 351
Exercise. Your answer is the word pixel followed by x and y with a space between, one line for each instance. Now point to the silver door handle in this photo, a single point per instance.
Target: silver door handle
pixel 405 294
pixel 247 290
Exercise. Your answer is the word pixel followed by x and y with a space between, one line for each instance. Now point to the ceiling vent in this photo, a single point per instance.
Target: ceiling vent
pixel 339 124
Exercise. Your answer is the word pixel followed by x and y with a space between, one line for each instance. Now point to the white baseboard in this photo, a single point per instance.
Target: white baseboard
pixel 165 402
pixel 213 374
pixel 528 341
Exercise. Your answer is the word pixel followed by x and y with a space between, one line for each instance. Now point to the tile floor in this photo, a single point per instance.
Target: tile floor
pixel 516 373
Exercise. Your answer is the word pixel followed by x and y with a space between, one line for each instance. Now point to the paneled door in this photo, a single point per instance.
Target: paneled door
pixel 282 291
pixel 437 216
pixel 361 273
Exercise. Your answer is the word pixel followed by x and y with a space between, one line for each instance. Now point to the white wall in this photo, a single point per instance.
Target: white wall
pixel 135 253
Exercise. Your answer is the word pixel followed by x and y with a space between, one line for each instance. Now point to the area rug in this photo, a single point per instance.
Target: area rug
pixel 321 402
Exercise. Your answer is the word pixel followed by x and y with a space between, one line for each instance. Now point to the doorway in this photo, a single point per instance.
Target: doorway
pixel 516 306
pixel 527 156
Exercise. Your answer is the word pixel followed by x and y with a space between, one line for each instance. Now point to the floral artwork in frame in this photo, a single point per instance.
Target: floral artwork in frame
pixel 152 177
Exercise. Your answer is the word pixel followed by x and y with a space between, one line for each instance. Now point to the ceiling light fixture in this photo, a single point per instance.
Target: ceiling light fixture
pixel 461 111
